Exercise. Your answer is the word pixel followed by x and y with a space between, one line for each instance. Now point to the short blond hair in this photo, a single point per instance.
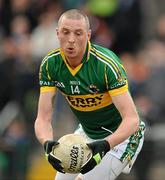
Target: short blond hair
pixel 75 14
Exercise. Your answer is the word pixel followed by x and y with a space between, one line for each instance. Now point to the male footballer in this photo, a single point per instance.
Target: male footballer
pixel 94 82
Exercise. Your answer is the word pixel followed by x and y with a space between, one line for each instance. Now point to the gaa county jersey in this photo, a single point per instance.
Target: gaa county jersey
pixel 88 88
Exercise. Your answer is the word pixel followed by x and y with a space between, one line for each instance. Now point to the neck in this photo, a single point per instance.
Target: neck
pixel 73 63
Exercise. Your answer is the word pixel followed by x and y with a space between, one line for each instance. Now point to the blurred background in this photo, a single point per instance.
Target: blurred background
pixel 133 29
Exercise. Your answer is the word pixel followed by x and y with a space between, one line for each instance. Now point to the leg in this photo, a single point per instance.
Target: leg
pixel 109 169
pixel 78 178
pixel 61 176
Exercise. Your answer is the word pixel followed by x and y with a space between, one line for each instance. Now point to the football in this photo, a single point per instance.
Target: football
pixel 73 152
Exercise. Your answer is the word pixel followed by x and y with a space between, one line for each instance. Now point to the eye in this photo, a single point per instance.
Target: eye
pixel 65 32
pixel 78 33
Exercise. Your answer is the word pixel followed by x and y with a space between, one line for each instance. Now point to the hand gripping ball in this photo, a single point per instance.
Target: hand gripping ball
pixel 73 152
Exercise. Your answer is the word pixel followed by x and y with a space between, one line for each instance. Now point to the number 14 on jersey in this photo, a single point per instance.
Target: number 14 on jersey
pixel 75 89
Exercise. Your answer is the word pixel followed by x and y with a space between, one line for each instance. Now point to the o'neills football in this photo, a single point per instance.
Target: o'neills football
pixel 73 152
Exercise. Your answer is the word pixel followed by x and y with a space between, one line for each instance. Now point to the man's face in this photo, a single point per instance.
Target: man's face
pixel 73 36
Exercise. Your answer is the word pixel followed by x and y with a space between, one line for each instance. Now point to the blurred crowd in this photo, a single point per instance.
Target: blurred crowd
pixel 133 29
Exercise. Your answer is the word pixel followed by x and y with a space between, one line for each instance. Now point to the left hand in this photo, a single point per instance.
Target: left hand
pixel 99 149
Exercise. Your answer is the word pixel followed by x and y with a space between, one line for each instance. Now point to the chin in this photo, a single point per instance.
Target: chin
pixel 70 55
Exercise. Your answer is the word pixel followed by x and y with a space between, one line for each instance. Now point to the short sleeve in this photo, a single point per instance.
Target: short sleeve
pixel 45 81
pixel 116 78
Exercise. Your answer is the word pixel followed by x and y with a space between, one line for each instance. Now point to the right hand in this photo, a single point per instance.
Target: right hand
pixel 53 160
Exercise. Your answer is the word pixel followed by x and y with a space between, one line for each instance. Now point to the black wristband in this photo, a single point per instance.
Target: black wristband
pixel 48 145
pixel 107 145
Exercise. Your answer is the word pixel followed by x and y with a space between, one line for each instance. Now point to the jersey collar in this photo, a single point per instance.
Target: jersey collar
pixel 87 53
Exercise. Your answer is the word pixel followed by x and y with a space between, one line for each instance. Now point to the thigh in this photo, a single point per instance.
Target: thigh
pixel 109 168
pixel 128 168
pixel 61 176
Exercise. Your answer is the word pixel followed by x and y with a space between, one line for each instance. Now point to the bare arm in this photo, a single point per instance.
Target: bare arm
pixel 130 119
pixel 43 126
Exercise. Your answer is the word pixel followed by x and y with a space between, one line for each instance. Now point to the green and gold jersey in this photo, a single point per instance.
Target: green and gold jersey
pixel 88 88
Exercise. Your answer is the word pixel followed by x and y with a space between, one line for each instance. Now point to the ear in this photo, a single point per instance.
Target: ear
pixel 57 31
pixel 89 34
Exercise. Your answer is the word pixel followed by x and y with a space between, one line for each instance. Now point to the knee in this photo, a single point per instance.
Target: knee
pixel 78 178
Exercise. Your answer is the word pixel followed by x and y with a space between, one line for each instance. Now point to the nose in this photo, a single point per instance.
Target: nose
pixel 71 38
